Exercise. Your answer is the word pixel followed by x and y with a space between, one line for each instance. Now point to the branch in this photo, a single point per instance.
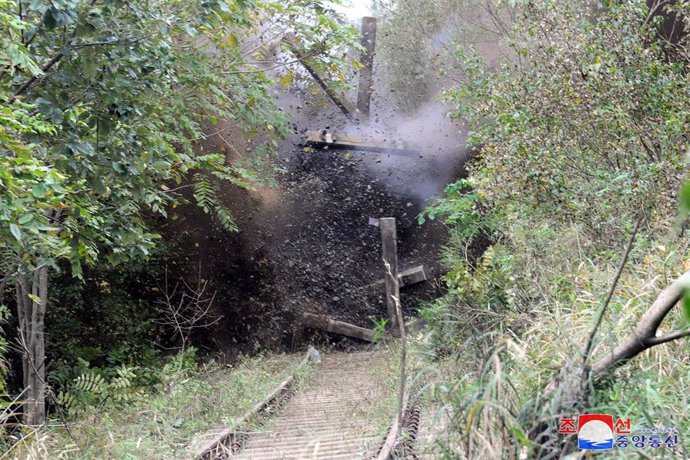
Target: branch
pixel 54 60
pixel 612 289
pixel 667 338
pixel 32 80
pixel 186 311
pixel 644 336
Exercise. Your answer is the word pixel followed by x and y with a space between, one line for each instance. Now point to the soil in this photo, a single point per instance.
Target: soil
pixel 305 245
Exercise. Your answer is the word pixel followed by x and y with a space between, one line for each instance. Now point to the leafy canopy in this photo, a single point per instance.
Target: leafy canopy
pixel 103 101
pixel 586 123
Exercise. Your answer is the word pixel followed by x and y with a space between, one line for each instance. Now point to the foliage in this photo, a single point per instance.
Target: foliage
pixel 464 213
pixel 324 39
pixel 479 269
pixel 380 326
pixel 581 132
pixel 90 390
pixel 593 133
pixel 103 103
pixel 103 322
pixel 173 418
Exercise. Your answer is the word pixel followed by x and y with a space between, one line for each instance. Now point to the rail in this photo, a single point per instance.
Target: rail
pixel 231 439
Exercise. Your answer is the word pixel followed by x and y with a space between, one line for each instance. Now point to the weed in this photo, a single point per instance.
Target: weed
pixel 172 422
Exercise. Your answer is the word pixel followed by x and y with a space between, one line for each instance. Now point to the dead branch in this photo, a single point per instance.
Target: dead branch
pixel 185 308
pixel 644 337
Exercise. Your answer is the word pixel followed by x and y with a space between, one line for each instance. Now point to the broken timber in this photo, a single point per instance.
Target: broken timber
pixel 389 241
pixel 343 104
pixel 338 327
pixel 367 60
pixel 407 277
pixel 339 141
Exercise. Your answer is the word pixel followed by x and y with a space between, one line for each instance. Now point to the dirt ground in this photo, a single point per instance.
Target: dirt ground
pixel 305 245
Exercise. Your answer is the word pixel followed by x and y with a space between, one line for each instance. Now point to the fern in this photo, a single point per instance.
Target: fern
pixel 226 219
pixel 206 194
pixel 91 390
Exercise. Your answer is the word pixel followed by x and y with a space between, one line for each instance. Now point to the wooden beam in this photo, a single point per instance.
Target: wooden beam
pixel 412 275
pixel 389 241
pixel 367 60
pixel 342 141
pixel 407 277
pixel 338 327
pixel 348 109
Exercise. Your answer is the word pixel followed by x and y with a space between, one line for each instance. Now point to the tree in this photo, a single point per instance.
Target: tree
pixel 103 101
pixel 588 126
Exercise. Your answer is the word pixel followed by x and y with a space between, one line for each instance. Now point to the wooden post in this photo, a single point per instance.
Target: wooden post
pixel 367 61
pixel 390 262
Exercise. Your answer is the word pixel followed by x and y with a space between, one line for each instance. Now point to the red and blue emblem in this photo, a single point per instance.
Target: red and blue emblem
pixel 595 431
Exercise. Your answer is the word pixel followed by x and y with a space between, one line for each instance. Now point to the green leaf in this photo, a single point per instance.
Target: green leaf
pixel 36 299
pixel 520 435
pixel 25 219
pixel 38 191
pixel 16 232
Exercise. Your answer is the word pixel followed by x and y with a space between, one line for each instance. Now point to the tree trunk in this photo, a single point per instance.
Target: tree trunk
pixel 32 299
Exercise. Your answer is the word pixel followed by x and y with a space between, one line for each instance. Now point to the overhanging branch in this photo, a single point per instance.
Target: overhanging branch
pixel 644 336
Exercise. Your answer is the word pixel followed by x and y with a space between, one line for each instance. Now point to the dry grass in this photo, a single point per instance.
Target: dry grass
pixel 170 424
pixel 497 376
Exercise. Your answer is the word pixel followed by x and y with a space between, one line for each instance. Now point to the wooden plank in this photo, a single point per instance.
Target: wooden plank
pixel 407 277
pixel 412 275
pixel 338 327
pixel 343 141
pixel 366 58
pixel 389 242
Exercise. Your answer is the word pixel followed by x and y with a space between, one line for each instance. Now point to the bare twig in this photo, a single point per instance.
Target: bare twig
pixel 185 308
pixel 612 289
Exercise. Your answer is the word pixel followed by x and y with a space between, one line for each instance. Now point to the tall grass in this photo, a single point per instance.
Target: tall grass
pixel 495 394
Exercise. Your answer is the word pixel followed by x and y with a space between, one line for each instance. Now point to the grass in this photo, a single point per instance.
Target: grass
pixel 386 374
pixel 174 422
pixel 496 374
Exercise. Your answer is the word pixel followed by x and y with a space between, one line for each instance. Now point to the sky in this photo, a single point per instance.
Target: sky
pixel 355 9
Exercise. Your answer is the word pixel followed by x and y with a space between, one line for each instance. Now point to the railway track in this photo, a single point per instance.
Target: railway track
pixel 330 418
pixel 342 411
